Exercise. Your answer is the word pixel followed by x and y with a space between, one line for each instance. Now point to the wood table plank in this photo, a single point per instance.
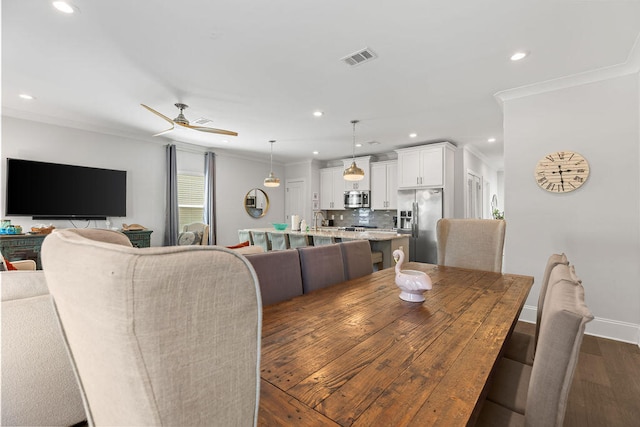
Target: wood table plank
pixel 355 354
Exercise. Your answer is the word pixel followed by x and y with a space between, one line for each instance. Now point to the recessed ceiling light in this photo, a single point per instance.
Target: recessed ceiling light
pixel 26 96
pixel 224 141
pixel 358 145
pixel 63 7
pixel 315 153
pixel 491 140
pixel 413 135
pixel 518 56
pixel 318 113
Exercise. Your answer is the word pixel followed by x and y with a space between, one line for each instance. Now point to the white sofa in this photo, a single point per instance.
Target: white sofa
pixel 38 384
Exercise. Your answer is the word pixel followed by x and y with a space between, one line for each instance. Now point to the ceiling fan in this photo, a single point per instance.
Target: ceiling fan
pixel 182 121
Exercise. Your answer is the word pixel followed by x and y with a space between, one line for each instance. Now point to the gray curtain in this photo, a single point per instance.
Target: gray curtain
pixel 210 194
pixel 171 221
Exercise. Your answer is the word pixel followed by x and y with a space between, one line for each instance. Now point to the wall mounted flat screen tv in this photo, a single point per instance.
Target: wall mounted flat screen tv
pixel 56 191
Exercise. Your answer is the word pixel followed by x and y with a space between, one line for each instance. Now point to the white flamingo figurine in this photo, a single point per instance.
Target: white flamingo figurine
pixel 412 283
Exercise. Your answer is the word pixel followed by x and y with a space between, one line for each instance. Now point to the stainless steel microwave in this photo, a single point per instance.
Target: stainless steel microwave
pixel 356 199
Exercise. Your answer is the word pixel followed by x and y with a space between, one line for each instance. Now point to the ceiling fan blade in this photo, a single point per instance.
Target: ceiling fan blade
pixel 158 114
pixel 165 131
pixel 211 130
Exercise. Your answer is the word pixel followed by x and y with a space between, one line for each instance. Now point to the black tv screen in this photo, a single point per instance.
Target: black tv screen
pixel 56 191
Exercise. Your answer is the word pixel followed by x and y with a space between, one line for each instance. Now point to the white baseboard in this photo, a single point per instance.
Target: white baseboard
pixel 599 327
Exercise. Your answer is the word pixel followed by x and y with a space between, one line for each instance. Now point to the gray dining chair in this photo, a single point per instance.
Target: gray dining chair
pixel 471 243
pixel 522 346
pixel 298 240
pixel 537 395
pixel 279 241
pixel 321 266
pixel 279 275
pixel 356 255
pixel 260 238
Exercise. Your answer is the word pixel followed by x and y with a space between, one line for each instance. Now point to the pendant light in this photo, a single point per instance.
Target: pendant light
pixel 353 172
pixel 271 180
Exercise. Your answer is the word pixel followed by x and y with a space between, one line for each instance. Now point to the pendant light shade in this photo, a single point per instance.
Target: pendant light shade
pixel 353 172
pixel 271 180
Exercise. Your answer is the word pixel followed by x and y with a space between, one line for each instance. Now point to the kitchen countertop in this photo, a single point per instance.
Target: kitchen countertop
pixel 373 234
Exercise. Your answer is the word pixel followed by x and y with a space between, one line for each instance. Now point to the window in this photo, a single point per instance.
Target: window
pixel 190 199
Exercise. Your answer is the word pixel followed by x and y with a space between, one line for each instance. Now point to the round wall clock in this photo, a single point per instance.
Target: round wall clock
pixel 562 171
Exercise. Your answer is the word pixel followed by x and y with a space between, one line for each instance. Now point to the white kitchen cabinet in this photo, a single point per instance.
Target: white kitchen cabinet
pixel 363 185
pixel 425 166
pixel 384 185
pixel 331 189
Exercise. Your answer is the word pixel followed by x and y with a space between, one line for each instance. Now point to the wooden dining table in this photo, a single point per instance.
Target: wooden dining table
pixel 355 354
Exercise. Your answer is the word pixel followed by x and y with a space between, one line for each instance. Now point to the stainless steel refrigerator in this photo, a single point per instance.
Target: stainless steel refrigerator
pixel 418 214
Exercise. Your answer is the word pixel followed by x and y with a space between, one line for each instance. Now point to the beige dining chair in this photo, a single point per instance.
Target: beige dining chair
pixel 471 243
pixel 356 255
pixel 321 266
pixel 155 333
pixel 260 238
pixel 278 241
pixel 521 346
pixel 537 395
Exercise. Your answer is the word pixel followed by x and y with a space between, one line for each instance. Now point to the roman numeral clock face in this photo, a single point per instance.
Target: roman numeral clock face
pixel 562 171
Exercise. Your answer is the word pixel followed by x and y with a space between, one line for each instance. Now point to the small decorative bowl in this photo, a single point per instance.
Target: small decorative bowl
pixel 279 226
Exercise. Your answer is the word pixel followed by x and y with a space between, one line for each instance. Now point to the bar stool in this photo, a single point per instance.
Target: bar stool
pixel 279 241
pixel 298 240
pixel 323 240
pixel 260 239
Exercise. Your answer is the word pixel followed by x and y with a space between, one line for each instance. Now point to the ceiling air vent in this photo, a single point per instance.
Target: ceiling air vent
pixel 201 121
pixel 362 56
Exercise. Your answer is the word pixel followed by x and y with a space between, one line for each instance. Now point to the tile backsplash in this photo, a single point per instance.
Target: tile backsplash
pixel 362 217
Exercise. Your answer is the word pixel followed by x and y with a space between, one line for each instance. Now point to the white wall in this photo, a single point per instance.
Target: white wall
pixel 144 162
pixel 597 226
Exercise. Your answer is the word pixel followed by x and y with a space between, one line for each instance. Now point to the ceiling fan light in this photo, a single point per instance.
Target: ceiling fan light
pixel 353 173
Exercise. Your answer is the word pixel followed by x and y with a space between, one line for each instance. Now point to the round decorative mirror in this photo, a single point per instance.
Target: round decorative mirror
pixel 256 203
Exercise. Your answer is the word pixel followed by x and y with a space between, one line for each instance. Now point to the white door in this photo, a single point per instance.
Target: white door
pixel 473 208
pixel 294 199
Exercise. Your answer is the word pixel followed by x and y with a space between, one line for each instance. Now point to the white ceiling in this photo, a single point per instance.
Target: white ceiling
pixel 262 67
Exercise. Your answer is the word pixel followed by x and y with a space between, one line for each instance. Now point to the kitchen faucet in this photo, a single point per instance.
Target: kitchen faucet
pixel 315 219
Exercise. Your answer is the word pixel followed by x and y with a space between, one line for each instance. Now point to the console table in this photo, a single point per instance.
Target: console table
pixel 139 239
pixel 16 247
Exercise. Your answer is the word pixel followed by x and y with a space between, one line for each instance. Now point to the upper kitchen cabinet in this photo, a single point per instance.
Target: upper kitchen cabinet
pixel 363 163
pixel 384 185
pixel 332 188
pixel 426 166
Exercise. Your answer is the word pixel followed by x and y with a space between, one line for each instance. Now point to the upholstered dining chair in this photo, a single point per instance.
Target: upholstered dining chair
pixel 356 255
pixel 521 347
pixel 279 241
pixel 471 243
pixel 201 229
pixel 321 266
pixel 279 275
pixel 537 395
pixel 260 238
pixel 158 336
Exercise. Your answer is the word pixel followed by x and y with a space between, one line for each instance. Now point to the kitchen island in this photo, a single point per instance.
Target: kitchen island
pixel 381 241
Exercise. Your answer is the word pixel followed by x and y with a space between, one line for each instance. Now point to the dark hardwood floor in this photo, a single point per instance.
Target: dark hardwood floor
pixel 606 384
